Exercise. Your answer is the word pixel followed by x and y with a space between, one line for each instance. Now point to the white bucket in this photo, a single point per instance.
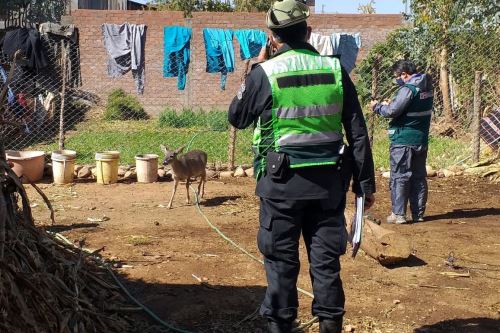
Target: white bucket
pixel 146 167
pixel 63 166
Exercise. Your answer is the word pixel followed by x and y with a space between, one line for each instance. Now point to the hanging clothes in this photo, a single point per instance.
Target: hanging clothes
pixel 10 94
pixel 176 53
pixel 347 47
pixel 62 39
pixel 125 45
pixel 220 52
pixel 28 41
pixel 323 44
pixel 251 42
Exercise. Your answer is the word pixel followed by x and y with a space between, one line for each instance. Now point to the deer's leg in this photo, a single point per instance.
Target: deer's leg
pixel 176 182
pixel 201 186
pixel 188 199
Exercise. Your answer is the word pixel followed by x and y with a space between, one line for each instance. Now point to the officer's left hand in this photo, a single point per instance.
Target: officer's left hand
pixel 369 200
pixel 373 104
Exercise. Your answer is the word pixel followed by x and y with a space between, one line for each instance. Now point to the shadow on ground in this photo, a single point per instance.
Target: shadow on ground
pixel 202 308
pixel 469 325
pixel 464 214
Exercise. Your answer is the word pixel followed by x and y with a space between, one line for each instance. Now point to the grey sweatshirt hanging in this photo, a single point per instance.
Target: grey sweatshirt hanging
pixel 125 46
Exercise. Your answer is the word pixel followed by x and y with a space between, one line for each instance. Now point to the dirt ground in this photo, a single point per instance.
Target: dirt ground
pixel 165 253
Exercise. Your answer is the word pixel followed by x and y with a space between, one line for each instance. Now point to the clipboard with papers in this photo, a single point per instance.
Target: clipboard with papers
pixel 357 224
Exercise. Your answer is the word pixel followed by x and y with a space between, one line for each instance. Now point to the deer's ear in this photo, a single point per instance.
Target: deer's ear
pixel 179 150
pixel 164 149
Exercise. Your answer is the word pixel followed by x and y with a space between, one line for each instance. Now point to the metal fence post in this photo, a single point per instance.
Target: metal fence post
pixel 477 116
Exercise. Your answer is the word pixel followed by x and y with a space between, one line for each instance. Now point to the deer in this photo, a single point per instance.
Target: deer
pixel 191 164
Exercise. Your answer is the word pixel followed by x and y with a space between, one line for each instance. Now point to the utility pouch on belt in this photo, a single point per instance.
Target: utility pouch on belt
pixel 276 165
pixel 346 165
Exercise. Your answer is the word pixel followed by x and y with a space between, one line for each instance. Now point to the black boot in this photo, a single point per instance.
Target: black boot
pixel 279 327
pixel 330 325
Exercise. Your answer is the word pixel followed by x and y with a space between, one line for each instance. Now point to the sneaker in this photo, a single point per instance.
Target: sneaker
pixel 396 219
pixel 417 218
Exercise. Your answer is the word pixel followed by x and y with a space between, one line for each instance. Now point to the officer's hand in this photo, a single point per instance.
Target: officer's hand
pixel 262 55
pixel 369 200
pixel 373 103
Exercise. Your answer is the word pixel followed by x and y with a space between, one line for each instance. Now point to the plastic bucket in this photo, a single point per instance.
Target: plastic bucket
pixel 107 167
pixel 63 166
pixel 29 164
pixel 146 167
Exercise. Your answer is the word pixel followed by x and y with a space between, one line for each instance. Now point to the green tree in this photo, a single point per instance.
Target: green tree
pixel 444 21
pixel 190 6
pixel 252 5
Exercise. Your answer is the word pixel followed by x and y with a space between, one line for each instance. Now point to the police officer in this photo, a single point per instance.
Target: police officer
pixel 410 112
pixel 299 101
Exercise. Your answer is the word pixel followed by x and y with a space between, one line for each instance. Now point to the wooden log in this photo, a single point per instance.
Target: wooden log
pixel 386 246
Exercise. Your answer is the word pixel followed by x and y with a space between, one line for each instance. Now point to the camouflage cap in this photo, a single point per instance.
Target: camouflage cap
pixel 284 13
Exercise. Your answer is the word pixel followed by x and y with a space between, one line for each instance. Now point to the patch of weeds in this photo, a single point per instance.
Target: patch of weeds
pixel 139 240
pixel 122 106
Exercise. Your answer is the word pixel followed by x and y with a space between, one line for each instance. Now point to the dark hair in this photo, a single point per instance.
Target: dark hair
pixel 406 66
pixel 293 33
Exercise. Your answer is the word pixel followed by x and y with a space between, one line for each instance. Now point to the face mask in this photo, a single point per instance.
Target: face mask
pixel 400 82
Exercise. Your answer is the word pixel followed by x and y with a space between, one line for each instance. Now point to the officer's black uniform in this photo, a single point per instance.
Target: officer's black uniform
pixel 309 200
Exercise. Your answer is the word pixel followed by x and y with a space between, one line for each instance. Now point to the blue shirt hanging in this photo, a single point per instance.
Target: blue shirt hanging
pixel 347 47
pixel 176 53
pixel 220 52
pixel 251 42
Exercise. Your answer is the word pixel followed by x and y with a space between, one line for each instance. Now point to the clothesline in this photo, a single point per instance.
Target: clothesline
pixel 125 47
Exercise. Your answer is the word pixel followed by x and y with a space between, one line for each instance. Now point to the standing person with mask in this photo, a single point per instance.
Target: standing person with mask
pixel 299 101
pixel 410 113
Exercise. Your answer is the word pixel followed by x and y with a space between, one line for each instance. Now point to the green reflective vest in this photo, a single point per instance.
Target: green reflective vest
pixel 306 118
pixel 412 128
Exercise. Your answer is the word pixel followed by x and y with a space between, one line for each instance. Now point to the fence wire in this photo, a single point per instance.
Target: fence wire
pixel 48 102
pixel 465 77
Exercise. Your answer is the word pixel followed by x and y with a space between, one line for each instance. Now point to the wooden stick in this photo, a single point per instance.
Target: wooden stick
pixel 63 95
pixel 476 127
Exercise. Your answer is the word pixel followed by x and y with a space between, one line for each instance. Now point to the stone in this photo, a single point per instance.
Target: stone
pixel 226 174
pixel 457 169
pixel 211 174
pixel 249 172
pixel 84 172
pixel 349 328
pixel 161 173
pixel 239 172
pixel 430 171
pixel 447 173
pixel 129 174
pixel 386 174
pixel 122 170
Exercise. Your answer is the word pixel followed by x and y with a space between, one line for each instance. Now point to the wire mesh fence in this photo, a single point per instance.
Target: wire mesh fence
pixel 465 77
pixel 52 107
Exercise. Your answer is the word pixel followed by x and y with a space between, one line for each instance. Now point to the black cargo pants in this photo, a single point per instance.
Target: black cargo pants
pixel 322 225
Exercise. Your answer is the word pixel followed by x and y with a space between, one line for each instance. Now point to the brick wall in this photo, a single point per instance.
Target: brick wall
pixel 202 89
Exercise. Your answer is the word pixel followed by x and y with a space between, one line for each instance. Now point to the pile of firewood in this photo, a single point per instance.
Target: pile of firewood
pixel 489 168
pixel 47 285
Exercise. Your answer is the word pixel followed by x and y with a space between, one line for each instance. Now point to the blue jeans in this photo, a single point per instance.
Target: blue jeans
pixel 408 179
